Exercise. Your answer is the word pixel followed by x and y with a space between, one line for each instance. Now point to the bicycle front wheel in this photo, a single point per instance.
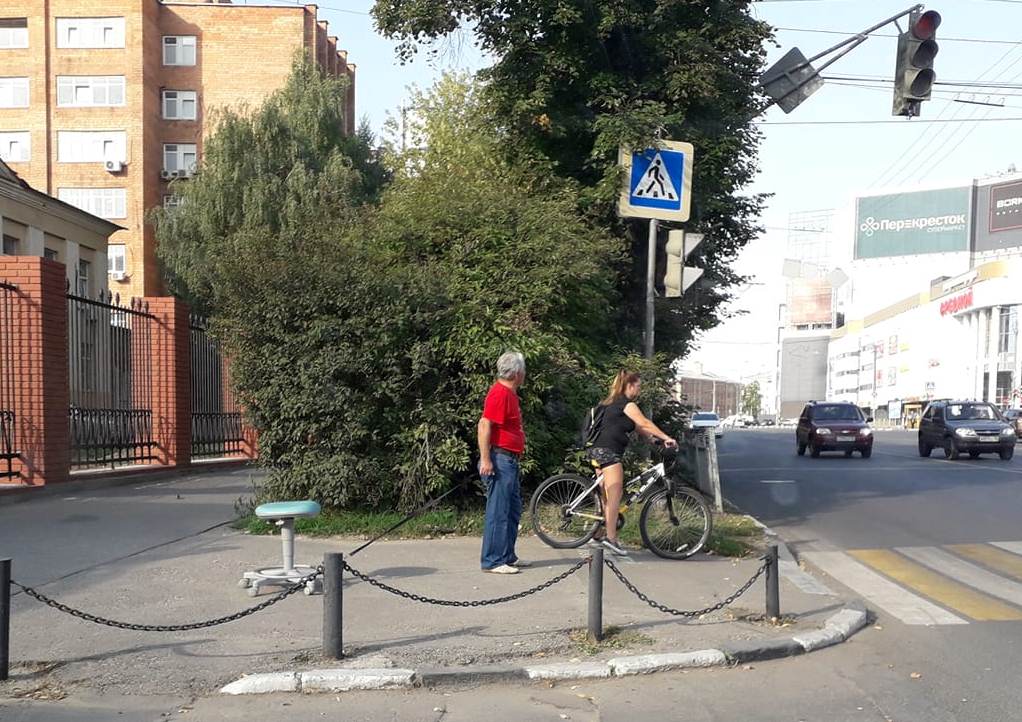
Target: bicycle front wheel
pixel 675 526
pixel 563 514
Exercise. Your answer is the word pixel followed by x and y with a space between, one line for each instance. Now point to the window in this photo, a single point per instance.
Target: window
pixel 179 157
pixel 179 50
pixel 102 202
pixel 13 92
pixel 1007 326
pixel 115 260
pixel 10 245
pixel 13 32
pixel 50 254
pixel 91 146
pixel 90 32
pixel 179 104
pixel 90 91
pixel 172 201
pixel 83 278
pixel 15 147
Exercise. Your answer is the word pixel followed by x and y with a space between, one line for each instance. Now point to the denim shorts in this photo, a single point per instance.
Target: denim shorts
pixel 602 456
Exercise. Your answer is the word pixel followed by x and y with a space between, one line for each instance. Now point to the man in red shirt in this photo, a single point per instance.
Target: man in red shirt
pixel 501 443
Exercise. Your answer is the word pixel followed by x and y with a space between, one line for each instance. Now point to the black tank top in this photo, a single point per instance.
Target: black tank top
pixel 616 426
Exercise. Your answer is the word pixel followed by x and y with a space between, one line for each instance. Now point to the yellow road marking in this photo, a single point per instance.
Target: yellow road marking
pixel 939 588
pixel 990 556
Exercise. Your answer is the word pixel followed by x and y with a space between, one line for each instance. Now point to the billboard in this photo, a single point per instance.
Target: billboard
pixel 903 224
pixel 999 216
pixel 809 301
pixel 803 372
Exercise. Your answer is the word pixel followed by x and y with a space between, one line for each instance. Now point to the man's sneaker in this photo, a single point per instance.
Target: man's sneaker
pixel 521 563
pixel 502 569
pixel 614 547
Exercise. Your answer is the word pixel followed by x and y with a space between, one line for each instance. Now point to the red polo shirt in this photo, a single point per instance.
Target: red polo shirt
pixel 502 408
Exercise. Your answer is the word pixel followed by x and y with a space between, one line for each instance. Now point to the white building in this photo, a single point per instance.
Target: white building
pixel 958 338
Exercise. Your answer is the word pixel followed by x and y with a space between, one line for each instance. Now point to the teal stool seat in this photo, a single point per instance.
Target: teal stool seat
pixel 286 509
pixel 283 514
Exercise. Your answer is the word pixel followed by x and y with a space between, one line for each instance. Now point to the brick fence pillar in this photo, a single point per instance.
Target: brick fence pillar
pixel 38 335
pixel 172 372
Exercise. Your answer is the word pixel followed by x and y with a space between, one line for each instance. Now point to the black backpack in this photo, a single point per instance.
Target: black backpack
pixel 592 424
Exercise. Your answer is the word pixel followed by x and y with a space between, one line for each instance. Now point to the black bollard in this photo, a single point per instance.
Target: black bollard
pixel 773 584
pixel 596 595
pixel 5 618
pixel 333 606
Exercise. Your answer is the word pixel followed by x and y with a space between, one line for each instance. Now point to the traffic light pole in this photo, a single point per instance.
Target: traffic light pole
pixel 650 292
pixel 854 41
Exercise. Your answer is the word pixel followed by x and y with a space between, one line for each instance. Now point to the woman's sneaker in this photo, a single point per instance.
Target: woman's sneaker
pixel 614 547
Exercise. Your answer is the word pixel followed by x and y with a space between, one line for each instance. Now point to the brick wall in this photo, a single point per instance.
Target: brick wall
pixel 171 381
pixel 37 334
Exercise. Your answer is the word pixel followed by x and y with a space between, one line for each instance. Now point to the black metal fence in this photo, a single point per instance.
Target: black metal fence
pixel 8 441
pixel 216 416
pixel 111 380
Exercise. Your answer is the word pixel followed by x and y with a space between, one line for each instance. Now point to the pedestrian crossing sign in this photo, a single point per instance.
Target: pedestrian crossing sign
pixel 658 181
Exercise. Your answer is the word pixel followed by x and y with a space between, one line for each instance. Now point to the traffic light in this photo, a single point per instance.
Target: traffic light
pixel 677 276
pixel 913 73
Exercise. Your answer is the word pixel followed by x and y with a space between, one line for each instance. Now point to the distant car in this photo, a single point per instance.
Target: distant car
pixel 833 426
pixel 972 427
pixel 708 420
pixel 1014 417
pixel 767 422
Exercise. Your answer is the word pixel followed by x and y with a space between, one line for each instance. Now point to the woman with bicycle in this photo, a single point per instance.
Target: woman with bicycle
pixel 621 417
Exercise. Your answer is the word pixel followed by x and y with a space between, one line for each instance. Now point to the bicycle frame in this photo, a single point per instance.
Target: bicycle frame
pixel 635 488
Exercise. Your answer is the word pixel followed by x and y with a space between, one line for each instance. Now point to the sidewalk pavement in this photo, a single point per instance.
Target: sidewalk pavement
pixel 121 571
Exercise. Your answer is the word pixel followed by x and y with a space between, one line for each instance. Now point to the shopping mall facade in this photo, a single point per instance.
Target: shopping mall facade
pixel 932 303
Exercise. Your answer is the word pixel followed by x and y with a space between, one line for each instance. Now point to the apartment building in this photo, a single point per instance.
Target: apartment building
pixel 103 103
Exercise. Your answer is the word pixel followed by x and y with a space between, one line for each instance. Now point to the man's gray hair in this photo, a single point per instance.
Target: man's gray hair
pixel 510 364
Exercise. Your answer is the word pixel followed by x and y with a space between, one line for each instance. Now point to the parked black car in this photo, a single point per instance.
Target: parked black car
pixel 959 427
pixel 1014 417
pixel 833 426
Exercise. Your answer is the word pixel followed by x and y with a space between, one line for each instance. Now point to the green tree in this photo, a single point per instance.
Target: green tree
pixel 752 400
pixel 363 335
pixel 274 170
pixel 573 79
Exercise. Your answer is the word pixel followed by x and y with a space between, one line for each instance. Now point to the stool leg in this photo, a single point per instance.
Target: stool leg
pixel 287 543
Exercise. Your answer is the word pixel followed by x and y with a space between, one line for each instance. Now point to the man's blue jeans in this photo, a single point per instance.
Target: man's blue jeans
pixel 503 512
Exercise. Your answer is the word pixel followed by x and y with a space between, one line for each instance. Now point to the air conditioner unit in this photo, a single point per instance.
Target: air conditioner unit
pixel 117 275
pixel 167 174
pixel 113 166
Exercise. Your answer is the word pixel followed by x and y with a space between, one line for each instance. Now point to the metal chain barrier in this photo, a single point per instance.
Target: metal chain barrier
pixel 50 602
pixel 681 613
pixel 473 603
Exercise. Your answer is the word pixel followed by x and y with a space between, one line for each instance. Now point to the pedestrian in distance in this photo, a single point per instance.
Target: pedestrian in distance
pixel 621 416
pixel 501 444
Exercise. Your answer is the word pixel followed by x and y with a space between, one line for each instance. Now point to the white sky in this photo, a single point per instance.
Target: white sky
pixel 806 167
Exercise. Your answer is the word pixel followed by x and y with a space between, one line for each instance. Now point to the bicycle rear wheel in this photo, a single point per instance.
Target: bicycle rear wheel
pixel 675 526
pixel 552 520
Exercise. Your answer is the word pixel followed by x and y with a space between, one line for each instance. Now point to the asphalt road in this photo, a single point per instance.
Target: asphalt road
pixel 933 547
pixel 893 499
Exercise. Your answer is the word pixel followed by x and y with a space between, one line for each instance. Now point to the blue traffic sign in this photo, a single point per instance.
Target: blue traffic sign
pixel 659 182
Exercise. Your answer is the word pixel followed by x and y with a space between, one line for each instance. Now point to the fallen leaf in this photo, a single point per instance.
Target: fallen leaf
pixel 878 627
pixel 916 675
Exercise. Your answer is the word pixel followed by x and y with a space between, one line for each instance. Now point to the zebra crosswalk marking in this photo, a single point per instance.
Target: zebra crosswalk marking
pixel 966 573
pixel 951 594
pixel 898 602
pixel 1001 561
pixel 1013 547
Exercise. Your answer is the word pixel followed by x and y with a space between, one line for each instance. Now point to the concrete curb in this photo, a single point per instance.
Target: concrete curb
pixel 838 628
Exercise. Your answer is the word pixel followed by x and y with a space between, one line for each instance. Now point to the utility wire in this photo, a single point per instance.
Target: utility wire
pixel 914 121
pixel 892 35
